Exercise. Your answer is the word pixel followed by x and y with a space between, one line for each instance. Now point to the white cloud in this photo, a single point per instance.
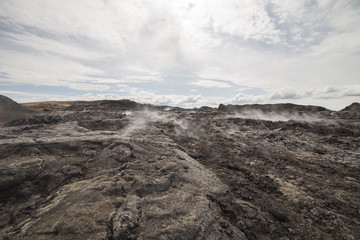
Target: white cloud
pixel 156 99
pixel 43 44
pixel 139 73
pixel 68 18
pixel 320 96
pixel 48 70
pixel 29 94
pixel 210 84
pixel 263 44
pixel 207 21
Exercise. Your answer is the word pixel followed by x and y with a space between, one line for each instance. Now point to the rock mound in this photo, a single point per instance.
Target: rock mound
pixel 354 107
pixel 10 110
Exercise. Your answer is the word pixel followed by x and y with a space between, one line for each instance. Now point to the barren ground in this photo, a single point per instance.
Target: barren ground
pixel 122 170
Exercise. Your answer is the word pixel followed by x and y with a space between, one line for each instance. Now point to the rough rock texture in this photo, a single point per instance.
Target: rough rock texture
pixel 122 170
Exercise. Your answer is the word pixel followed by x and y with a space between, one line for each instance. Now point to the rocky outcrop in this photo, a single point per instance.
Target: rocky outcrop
pixel 10 110
pixel 354 107
pixel 122 171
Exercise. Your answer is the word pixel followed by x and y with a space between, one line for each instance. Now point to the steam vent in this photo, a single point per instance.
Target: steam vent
pixel 124 170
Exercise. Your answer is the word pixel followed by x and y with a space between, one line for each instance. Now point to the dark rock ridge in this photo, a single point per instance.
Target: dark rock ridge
pixel 10 110
pixel 124 170
pixel 354 107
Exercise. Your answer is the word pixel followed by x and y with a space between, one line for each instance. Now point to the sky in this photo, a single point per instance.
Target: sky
pixel 187 53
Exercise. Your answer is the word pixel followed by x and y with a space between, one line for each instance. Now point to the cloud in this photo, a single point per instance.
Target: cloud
pixel 144 96
pixel 301 97
pixel 65 48
pixel 70 18
pixel 206 83
pixel 24 96
pixel 291 94
pixel 48 70
pixel 152 46
pixel 29 94
pixel 156 99
pixel 214 19
pixel 139 73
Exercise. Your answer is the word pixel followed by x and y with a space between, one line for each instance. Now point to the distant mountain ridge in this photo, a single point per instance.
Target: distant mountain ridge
pixel 281 107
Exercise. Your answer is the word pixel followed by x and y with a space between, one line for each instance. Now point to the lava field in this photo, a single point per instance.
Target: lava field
pixel 124 170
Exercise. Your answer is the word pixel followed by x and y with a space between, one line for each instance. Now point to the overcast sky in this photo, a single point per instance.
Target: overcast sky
pixel 185 53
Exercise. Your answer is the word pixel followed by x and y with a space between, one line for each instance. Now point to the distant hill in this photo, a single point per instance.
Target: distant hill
pixel 50 105
pixel 282 107
pixel 123 104
pixel 10 110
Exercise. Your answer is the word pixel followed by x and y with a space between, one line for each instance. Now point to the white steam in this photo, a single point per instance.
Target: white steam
pixel 139 120
pixel 276 117
pixel 128 113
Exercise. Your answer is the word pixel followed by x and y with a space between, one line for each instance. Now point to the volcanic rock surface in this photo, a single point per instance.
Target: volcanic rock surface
pixel 123 170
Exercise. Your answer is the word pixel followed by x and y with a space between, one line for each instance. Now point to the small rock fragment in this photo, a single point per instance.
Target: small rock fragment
pixel 280 213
